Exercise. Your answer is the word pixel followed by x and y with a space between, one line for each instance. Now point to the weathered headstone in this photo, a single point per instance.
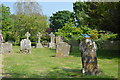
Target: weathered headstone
pixel 6 47
pixel 58 39
pixel 52 44
pixel 89 57
pixel 63 49
pixel 39 45
pixel 1 40
pixel 25 44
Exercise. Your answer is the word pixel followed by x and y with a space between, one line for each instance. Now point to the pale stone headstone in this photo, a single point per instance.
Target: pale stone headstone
pixel 52 43
pixel 63 49
pixel 1 40
pixel 89 57
pixel 1 37
pixel 39 45
pixel 25 44
pixel 58 39
pixel 6 47
pixel 27 35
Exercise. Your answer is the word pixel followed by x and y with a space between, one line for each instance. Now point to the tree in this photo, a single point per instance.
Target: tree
pixel 32 24
pixel 6 23
pixel 59 19
pixel 29 18
pixel 28 8
pixel 80 14
pixel 102 16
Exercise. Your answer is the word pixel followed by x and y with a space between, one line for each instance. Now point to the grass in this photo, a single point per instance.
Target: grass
pixel 41 64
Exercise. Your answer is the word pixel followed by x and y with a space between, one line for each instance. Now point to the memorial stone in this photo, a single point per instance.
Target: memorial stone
pixel 89 57
pixel 39 45
pixel 25 44
pixel 6 47
pixel 63 49
pixel 58 39
pixel 52 44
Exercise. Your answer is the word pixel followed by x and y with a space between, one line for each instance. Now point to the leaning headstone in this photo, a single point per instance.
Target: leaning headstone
pixel 63 49
pixel 89 57
pixel 52 44
pixel 39 45
pixel 25 44
pixel 6 47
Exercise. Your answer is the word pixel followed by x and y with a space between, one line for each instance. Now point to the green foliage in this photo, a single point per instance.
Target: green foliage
pixel 92 19
pixel 32 24
pixel 70 32
pixel 6 23
pixel 102 15
pixel 58 20
pixel 80 14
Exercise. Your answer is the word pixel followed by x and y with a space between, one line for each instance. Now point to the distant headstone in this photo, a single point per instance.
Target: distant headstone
pixel 63 49
pixel 27 35
pixel 25 44
pixel 39 45
pixel 52 43
pixel 1 38
pixel 6 47
pixel 89 57
pixel 58 39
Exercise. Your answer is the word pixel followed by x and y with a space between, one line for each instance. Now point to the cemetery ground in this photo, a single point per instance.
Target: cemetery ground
pixel 41 63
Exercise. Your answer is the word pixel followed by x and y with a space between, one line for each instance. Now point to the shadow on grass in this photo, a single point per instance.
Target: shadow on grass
pixel 101 53
pixel 72 73
pixel 57 72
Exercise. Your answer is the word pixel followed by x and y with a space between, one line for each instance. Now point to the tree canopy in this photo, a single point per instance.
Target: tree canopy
pixel 59 19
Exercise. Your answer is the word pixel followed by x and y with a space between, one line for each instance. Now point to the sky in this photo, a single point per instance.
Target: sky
pixel 48 8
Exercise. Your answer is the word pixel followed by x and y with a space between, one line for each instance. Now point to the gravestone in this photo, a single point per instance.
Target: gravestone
pixel 89 57
pixel 1 40
pixel 25 44
pixel 6 47
pixel 39 45
pixel 58 39
pixel 52 44
pixel 63 49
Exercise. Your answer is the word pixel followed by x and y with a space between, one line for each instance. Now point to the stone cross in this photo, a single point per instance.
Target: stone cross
pixel 39 36
pixel 52 37
pixel 27 35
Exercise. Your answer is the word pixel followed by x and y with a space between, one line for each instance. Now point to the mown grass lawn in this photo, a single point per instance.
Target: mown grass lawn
pixel 41 63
